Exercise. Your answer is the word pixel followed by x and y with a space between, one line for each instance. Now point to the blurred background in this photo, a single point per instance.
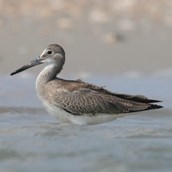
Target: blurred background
pixel 125 45
pixel 102 37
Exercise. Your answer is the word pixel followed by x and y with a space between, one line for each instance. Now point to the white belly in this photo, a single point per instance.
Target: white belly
pixel 64 116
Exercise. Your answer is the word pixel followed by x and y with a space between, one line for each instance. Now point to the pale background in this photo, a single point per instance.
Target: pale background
pixel 106 37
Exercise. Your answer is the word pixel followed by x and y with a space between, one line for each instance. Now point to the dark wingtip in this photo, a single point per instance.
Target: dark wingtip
pixel 145 100
pixel 153 101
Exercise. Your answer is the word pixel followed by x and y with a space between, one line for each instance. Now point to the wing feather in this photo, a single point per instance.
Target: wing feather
pixel 79 98
pixel 88 102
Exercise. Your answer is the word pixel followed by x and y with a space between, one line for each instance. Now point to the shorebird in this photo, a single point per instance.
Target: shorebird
pixel 76 101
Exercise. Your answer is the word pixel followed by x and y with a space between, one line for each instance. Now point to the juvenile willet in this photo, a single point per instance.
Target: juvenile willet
pixel 76 101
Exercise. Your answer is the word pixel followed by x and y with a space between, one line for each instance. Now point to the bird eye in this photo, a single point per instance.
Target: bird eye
pixel 49 52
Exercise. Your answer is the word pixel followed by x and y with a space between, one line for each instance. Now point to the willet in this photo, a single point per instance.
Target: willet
pixel 76 101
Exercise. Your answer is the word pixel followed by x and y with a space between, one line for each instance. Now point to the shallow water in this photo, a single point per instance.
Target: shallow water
pixel 31 140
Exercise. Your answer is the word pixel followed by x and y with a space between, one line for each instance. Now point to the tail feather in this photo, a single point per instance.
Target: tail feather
pixel 154 106
pixel 150 107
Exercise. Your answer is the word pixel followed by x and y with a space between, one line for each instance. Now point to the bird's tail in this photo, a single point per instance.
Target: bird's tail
pixel 154 106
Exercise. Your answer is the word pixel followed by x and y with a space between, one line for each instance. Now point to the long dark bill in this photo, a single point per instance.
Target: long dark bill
pixel 33 63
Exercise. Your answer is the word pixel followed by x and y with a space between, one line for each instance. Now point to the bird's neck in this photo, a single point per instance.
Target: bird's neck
pixel 48 73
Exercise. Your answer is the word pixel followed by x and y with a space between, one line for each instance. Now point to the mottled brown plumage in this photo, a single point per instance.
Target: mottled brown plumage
pixel 80 98
pixel 77 98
